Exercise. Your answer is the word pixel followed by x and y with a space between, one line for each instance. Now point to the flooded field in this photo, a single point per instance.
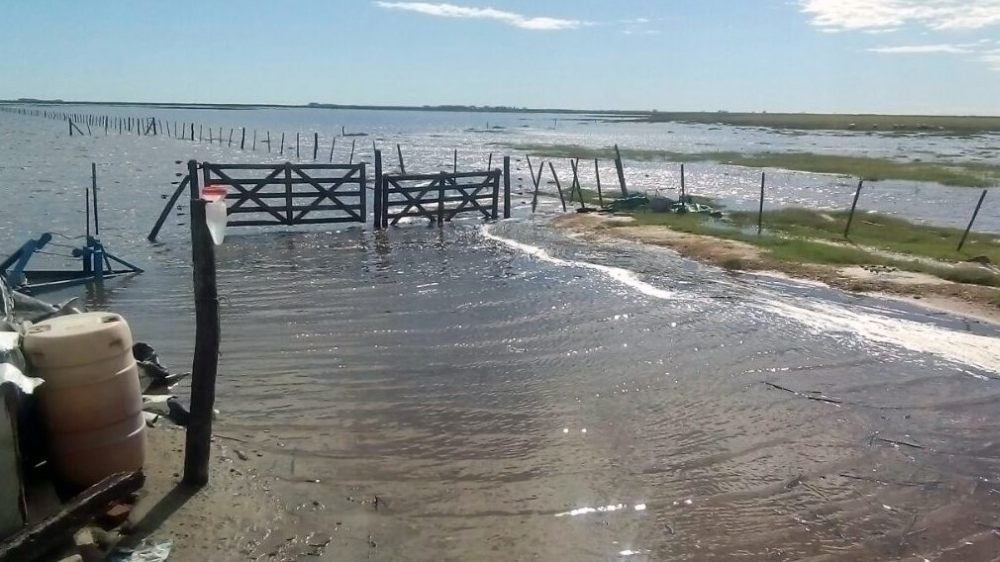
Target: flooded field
pixel 509 393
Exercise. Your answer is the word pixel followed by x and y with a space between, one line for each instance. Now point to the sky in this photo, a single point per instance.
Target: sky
pixel 878 56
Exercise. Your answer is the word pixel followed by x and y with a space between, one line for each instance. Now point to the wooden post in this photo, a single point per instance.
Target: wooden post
pixel 281 150
pixel 315 145
pixel 269 142
pixel 204 368
pixel 200 130
pixel 683 188
pixel 166 209
pixel 536 182
pixel 377 202
pixel 402 166
pixel 333 146
pixel 597 173
pixel 489 162
pixel 353 143
pixel 440 213
pixel 850 217
pixel 621 171
pixel 70 122
pixel 575 164
pixel 297 157
pixel 230 136
pixel 455 159
pixel 760 210
pixel 253 146
pixel 506 188
pixel 243 137
pixel 220 136
pixel 558 186
pixel 93 192
pixel 972 221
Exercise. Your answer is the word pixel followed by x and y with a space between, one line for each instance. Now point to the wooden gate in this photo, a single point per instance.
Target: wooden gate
pixel 439 197
pixel 287 194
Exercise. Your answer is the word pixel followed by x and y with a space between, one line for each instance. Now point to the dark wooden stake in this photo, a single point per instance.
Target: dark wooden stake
pixel 972 221
pixel 854 205
pixel 243 137
pixel 166 209
pixel 402 166
pixel 315 145
pixel 230 136
pixel 506 187
pixel 760 210
pixel 198 442
pixel 597 174
pixel 683 188
pixel 535 181
pixel 93 193
pixel 333 145
pixel 281 150
pixel 353 143
pixel 455 166
pixel 297 157
pixel 620 166
pixel 558 185
pixel 377 203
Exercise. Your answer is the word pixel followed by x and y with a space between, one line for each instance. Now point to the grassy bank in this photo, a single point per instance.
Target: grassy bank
pixel 869 169
pixel 940 124
pixel 805 236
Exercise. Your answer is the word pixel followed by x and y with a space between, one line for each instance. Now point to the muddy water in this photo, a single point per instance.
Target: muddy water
pixel 508 393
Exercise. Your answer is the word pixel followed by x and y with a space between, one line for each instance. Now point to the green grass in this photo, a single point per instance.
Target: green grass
pixel 965 174
pixel 805 236
pixel 939 124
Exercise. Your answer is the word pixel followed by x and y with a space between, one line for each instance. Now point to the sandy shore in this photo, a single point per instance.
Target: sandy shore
pixel 970 301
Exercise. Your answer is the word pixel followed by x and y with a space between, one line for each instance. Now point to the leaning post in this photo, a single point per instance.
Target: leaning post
pixel 854 205
pixel 377 201
pixel 971 222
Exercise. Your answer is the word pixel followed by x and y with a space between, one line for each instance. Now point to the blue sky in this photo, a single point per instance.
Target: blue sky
pixel 895 56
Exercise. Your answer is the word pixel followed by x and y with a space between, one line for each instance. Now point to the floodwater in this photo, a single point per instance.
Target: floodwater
pixel 509 393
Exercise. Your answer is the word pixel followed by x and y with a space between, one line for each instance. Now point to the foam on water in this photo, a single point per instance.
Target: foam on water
pixel 819 316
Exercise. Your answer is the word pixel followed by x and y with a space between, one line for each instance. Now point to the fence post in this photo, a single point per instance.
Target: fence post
pixel 850 217
pixel 441 185
pixel 506 188
pixel 204 368
pixel 760 210
pixel 93 193
pixel 597 173
pixel 377 202
pixel 535 182
pixel 315 145
pixel 974 215
pixel 288 192
pixel 558 186
pixel 621 171
pixel 402 166
pixel 243 137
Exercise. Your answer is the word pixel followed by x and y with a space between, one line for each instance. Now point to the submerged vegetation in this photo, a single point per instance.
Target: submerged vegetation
pixel 961 174
pixel 805 236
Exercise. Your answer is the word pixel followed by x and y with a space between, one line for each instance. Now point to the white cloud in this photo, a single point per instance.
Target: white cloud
pixel 867 15
pixel 468 12
pixel 991 58
pixel 923 49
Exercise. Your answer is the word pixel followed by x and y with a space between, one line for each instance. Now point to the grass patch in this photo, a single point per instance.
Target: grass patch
pixel 964 174
pixel 805 236
pixel 935 124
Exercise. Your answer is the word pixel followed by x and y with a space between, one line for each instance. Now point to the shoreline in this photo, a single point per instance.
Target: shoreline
pixel 974 302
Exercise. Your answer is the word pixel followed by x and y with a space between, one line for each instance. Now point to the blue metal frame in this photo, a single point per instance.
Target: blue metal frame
pixel 96 265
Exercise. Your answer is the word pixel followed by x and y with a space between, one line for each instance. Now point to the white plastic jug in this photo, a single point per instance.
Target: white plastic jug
pixel 216 215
